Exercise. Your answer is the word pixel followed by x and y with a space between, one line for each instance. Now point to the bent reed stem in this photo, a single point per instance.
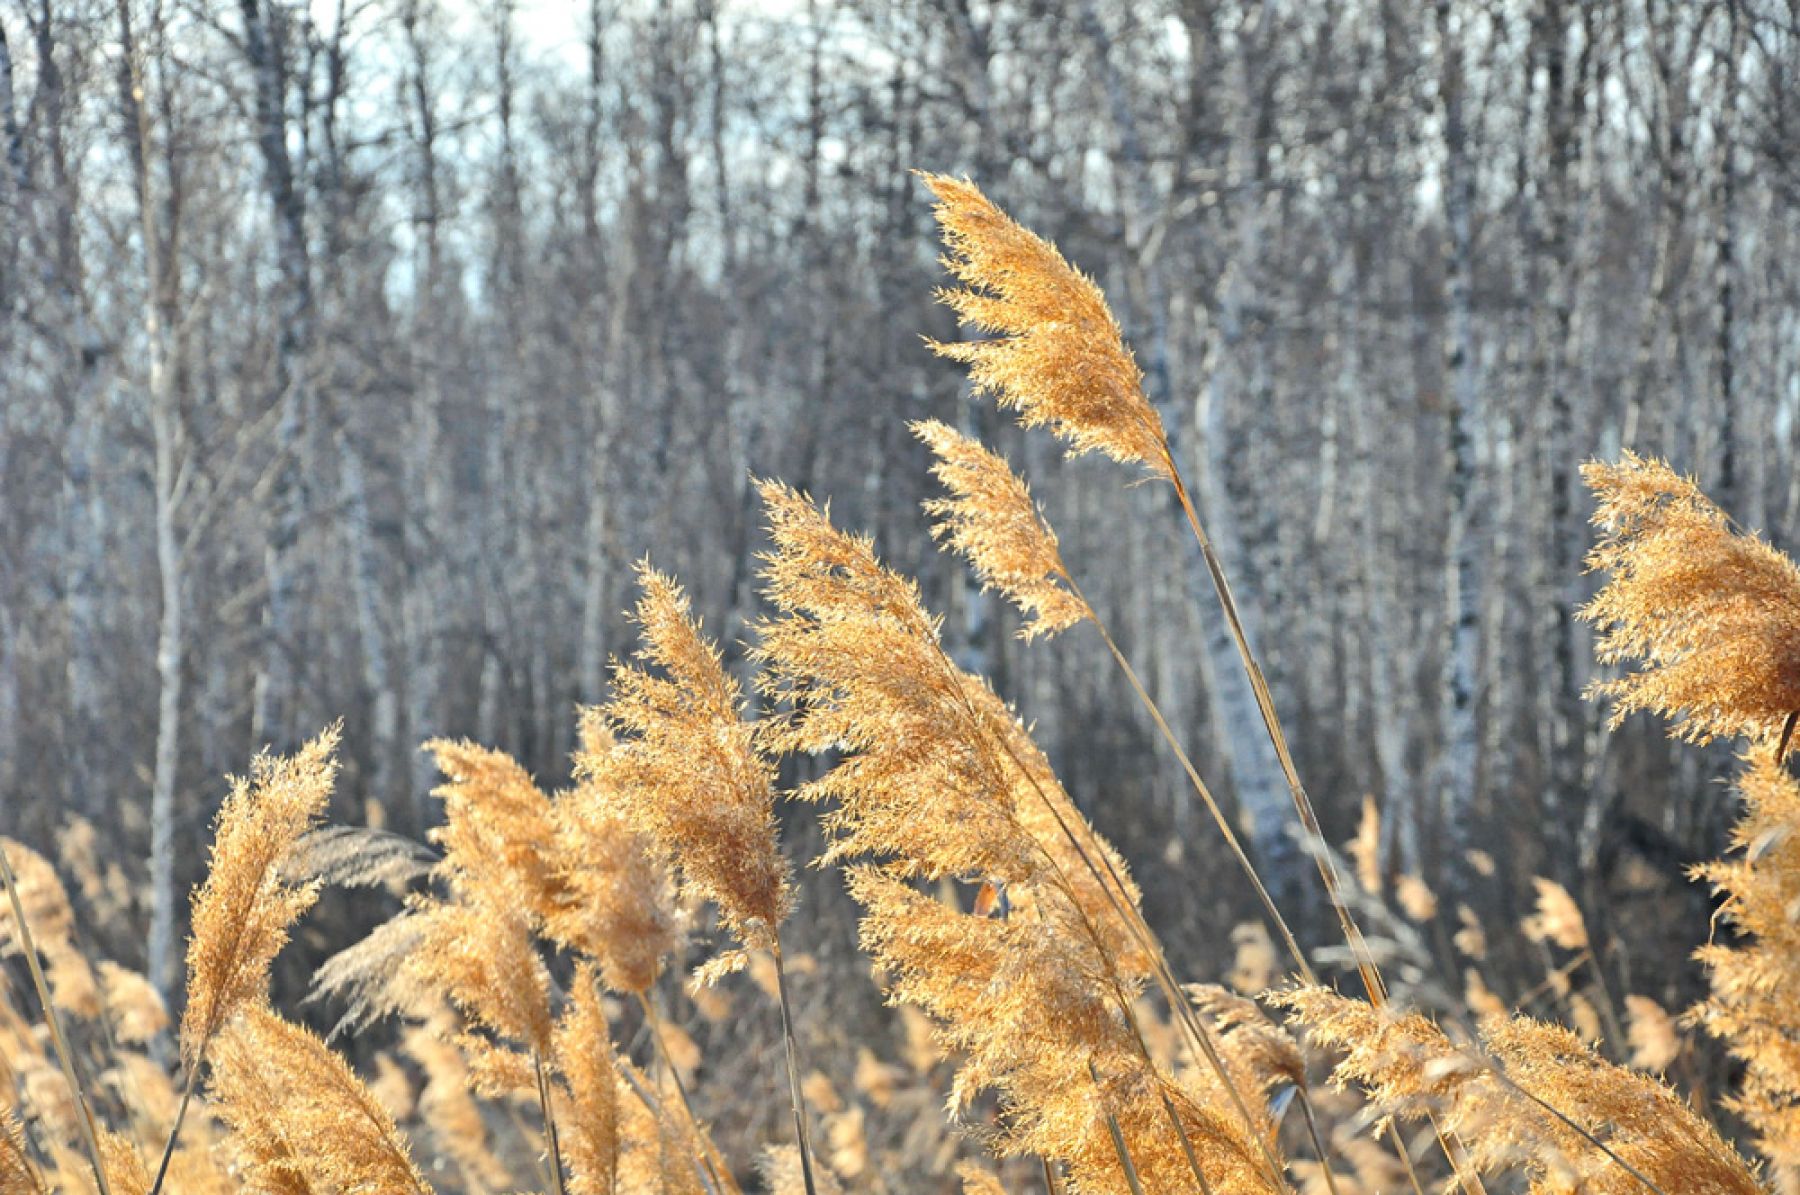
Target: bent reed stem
pixel 1206 797
pixel 709 1163
pixel 187 1096
pixel 1303 806
pixel 90 1139
pixel 802 1136
pixel 543 1090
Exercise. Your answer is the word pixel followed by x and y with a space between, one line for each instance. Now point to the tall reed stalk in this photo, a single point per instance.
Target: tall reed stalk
pixel 59 1041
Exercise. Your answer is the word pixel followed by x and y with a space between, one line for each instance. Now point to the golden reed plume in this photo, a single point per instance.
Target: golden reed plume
pixel 1752 1007
pixel 17 1174
pixel 1530 1096
pixel 1055 355
pixel 301 1120
pixel 242 912
pixel 614 901
pixel 685 770
pixel 678 762
pixel 590 1085
pixel 475 947
pixel 936 780
pixel 1710 615
pixel 937 777
pixel 990 518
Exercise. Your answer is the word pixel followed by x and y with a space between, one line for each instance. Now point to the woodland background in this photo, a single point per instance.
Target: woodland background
pixel 351 352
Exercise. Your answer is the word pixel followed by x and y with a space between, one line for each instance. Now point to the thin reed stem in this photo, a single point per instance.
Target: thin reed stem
pixel 1199 786
pixel 555 1147
pixel 1406 1162
pixel 1265 704
pixel 708 1160
pixel 1303 806
pixel 1050 1184
pixel 1187 1146
pixel 90 1139
pixel 187 1097
pixel 801 1134
pixel 1118 1138
pixel 1318 1142
pixel 1614 1028
pixel 1111 884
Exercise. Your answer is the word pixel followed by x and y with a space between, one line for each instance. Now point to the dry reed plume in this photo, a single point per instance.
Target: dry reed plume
pixel 243 912
pixel 1752 1007
pixel 1710 615
pixel 686 773
pixel 1056 355
pixel 991 519
pixel 1528 1096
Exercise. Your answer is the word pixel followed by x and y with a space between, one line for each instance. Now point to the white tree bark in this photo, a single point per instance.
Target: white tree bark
pixel 1459 749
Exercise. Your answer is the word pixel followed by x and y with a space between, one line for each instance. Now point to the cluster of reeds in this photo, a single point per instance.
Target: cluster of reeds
pixel 1004 927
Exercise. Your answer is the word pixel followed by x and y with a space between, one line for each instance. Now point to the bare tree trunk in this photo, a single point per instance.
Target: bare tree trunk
pixel 276 716
pixel 1459 748
pixel 1741 494
pixel 429 589
pixel 161 340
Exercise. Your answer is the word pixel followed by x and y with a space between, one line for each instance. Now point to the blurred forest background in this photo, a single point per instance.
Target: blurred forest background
pixel 352 351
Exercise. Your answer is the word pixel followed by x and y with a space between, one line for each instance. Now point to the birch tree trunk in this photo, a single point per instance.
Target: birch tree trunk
pixel 276 716
pixel 1459 748
pixel 161 309
pixel 429 589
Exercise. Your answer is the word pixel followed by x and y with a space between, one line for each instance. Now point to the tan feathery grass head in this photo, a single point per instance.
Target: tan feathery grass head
pixel 446 1104
pixel 937 777
pixel 136 1011
pixel 782 1174
pixel 1026 1001
pixel 991 520
pixel 659 1152
pixel 686 772
pixel 1710 615
pixel 17 1174
pixel 1489 1097
pixel 124 1166
pixel 976 1181
pixel 242 912
pixel 1558 918
pixel 1752 1007
pixel 855 658
pixel 498 829
pixel 48 913
pixel 615 903
pixel 301 1120
pixel 483 960
pixel 851 662
pixel 51 919
pixel 1261 1051
pixel 1651 1033
pixel 1055 354
pixel 590 1084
